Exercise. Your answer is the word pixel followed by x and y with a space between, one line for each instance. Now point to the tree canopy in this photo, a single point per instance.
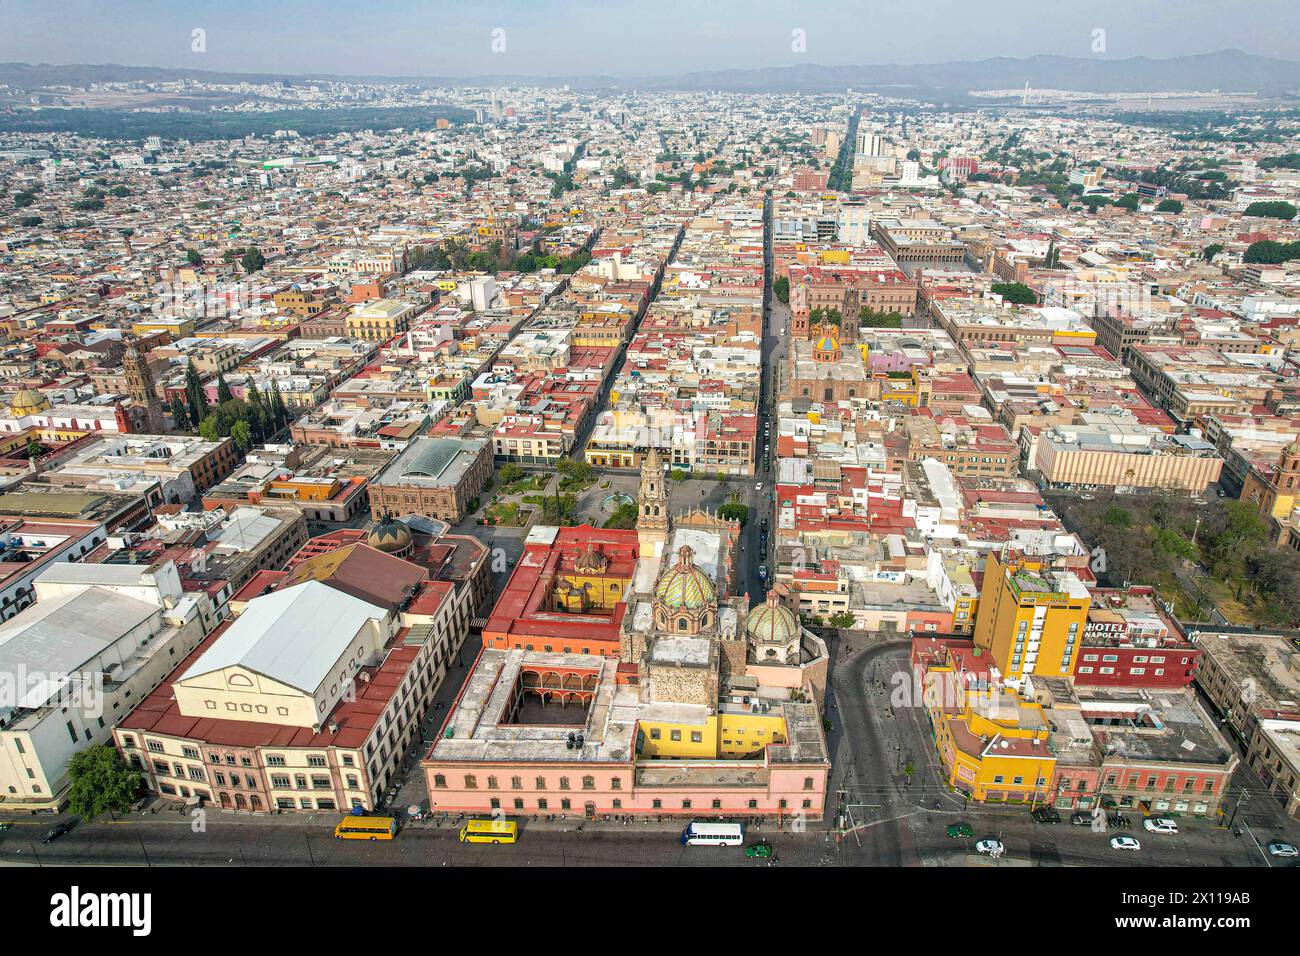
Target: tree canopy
pixel 1015 292
pixel 101 782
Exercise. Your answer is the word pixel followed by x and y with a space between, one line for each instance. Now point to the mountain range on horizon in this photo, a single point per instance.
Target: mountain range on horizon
pixel 1229 71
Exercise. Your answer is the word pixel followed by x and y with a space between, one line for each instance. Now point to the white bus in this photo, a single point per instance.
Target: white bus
pixel 713 834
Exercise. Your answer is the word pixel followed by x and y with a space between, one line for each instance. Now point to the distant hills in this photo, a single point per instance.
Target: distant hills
pixel 1230 71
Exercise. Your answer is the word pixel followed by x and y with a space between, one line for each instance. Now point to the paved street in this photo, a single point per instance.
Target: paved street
pixel 914 838
pixel 876 733
pixel 890 820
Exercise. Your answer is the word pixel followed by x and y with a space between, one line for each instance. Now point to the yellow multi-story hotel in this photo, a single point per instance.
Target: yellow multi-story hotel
pixel 1030 619
pixel 994 744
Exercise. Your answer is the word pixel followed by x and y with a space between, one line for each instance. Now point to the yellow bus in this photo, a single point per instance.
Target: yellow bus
pixel 366 828
pixel 489 831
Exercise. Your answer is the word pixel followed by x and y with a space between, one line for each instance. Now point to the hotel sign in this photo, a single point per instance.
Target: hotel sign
pixel 1108 628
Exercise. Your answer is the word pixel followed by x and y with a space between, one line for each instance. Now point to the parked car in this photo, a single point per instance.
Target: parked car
pixel 959 830
pixel 758 850
pixel 991 847
pixel 1046 815
pixel 1160 825
pixel 758 486
pixel 1124 843
pixel 1282 849
pixel 1080 819
pixel 56 831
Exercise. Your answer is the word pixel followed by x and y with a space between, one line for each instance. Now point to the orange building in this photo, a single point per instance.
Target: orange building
pixel 567 592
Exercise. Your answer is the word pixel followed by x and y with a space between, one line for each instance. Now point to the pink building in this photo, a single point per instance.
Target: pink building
pixel 491 754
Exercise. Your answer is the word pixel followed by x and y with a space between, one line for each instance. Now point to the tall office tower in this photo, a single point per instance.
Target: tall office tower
pixel 870 142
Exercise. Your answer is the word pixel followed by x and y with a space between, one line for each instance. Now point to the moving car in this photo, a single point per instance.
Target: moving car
pixel 1124 843
pixel 958 830
pixel 1160 825
pixel 1046 815
pixel 758 850
pixel 1282 849
pixel 758 487
pixel 58 830
pixel 991 847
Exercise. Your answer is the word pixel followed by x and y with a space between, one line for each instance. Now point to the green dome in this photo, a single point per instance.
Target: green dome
pixel 772 622
pixel 684 585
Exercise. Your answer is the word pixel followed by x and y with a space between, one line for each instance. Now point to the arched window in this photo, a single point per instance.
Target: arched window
pixel 682 624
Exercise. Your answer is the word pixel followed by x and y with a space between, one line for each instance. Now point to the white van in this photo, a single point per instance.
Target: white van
pixel 1160 825
pixel 713 834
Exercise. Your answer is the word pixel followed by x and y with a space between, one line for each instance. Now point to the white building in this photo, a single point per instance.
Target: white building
pixel 99 638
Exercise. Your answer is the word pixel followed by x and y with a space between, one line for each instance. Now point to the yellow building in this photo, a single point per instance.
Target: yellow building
pixel 177 328
pixel 381 319
pixel 993 744
pixel 1030 619
pixel 600 330
pixel 590 583
pixel 906 390
pixel 722 736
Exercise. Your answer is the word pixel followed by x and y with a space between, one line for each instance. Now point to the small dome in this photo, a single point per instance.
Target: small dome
pixel 684 585
pixel 390 536
pixel 591 561
pixel 827 345
pixel 772 622
pixel 28 401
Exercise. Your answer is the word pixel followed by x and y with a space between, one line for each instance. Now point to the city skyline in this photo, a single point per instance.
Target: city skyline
pixel 403 38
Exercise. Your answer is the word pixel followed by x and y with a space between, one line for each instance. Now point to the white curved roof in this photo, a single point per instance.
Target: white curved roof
pixel 294 636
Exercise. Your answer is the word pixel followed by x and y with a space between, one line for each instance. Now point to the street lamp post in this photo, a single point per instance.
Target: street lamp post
pixel 1245 795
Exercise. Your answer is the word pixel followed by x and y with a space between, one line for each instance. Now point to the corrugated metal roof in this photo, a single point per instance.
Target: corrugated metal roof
pixel 60 636
pixel 293 636
pixel 108 574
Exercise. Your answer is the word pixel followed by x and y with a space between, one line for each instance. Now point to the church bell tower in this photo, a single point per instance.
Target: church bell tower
pixel 652 505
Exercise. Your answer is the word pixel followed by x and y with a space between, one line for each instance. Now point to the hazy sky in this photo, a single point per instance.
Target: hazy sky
pixel 620 37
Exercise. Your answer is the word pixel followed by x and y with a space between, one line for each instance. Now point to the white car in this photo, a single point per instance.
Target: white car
pixel 991 847
pixel 1283 849
pixel 759 486
pixel 1124 843
pixel 1160 825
